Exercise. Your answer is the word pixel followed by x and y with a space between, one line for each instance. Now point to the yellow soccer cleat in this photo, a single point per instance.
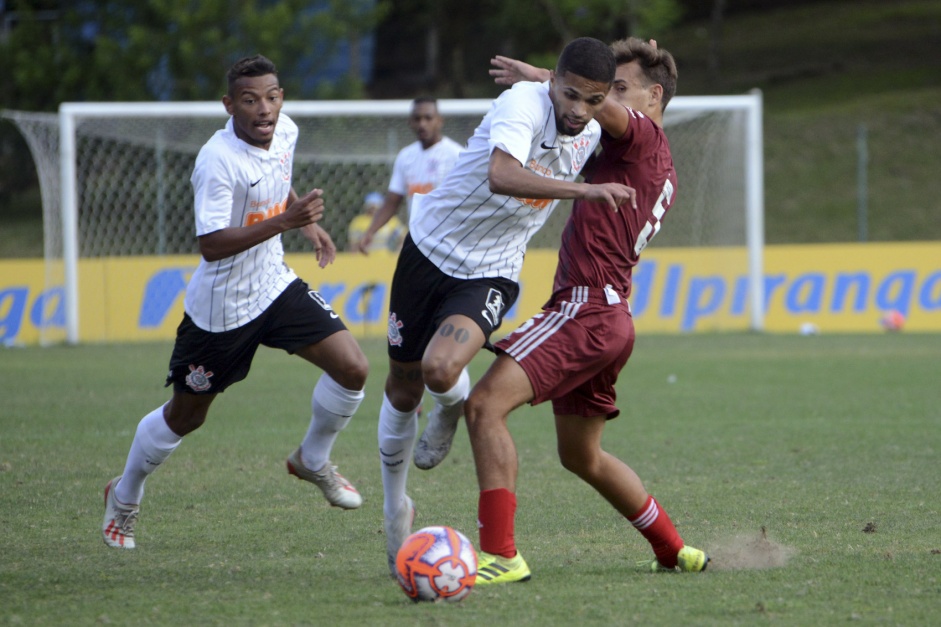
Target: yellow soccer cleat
pixel 494 569
pixel 688 560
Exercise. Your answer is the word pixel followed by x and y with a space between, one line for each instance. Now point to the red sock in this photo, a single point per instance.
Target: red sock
pixel 654 524
pixel 496 510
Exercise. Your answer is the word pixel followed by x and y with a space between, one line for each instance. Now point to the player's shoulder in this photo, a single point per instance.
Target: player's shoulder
pixel 449 145
pixel 285 123
pixel 221 147
pixel 410 152
pixel 524 100
pixel 528 90
pixel 644 123
pixel 640 128
pixel 286 128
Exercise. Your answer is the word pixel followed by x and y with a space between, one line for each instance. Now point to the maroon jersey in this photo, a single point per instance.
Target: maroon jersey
pixel 600 246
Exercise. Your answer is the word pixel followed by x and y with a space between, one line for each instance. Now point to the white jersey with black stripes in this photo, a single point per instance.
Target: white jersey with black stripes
pixel 236 184
pixel 468 231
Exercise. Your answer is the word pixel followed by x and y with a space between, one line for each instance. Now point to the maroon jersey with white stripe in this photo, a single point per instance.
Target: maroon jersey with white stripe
pixel 600 246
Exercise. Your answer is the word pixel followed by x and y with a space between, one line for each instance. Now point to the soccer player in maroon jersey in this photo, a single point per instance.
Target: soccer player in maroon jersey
pixel 571 352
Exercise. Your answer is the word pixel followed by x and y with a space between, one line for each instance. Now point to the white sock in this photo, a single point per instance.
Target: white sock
pixel 152 445
pixel 397 430
pixel 332 408
pixel 453 399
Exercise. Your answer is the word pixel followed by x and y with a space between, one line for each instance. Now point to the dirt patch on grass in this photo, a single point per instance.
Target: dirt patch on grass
pixel 748 552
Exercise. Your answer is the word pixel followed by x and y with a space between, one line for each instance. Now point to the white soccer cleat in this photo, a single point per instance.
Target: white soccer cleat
pixel 335 487
pixel 397 529
pixel 118 526
pixel 435 441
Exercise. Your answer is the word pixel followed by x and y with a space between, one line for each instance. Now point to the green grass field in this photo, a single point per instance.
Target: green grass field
pixel 828 443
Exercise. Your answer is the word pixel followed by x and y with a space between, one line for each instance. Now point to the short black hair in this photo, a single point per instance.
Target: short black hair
pixel 257 65
pixel 589 58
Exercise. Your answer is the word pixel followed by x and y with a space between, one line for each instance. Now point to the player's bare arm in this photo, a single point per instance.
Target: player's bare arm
pixel 235 239
pixel 507 71
pixel 613 116
pixel 509 177
pixel 390 207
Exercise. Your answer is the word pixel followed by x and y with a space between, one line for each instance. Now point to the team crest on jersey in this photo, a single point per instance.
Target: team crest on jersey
pixel 286 166
pixel 395 336
pixel 494 307
pixel 581 152
pixel 198 379
pixel 317 298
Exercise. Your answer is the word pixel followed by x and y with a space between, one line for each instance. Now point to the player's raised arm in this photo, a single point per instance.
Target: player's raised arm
pixel 507 71
pixel 613 117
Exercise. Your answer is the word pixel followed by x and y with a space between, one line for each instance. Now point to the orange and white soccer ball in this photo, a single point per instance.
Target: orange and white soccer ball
pixel 436 564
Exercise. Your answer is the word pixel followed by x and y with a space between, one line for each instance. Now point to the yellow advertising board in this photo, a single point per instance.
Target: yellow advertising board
pixel 829 288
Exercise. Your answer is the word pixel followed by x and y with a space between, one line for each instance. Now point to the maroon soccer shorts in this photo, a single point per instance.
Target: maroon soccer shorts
pixel 572 352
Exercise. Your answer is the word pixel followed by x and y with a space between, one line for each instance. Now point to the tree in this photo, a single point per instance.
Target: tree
pixel 550 24
pixel 715 39
pixel 116 50
pixel 445 45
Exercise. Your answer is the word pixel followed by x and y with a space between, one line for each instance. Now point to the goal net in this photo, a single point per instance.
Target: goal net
pixel 115 177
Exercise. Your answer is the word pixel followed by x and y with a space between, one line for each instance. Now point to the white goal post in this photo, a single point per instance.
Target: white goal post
pixel 123 175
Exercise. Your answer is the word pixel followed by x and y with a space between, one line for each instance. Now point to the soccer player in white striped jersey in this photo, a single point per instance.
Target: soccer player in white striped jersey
pixel 418 168
pixel 458 270
pixel 242 295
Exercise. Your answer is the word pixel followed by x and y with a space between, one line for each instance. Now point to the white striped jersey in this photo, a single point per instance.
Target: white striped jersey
pixel 237 184
pixel 468 231
pixel 418 170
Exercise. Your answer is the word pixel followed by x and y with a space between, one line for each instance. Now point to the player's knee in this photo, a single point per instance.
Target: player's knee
pixel 349 368
pixel 476 411
pixel 353 374
pixel 440 374
pixel 577 461
pixel 185 420
pixel 404 392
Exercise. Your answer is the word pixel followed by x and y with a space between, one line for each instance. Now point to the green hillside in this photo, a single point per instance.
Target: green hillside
pixel 825 70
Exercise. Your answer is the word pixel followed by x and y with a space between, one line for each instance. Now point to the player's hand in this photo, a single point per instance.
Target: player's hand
pixel 507 71
pixel 324 247
pixel 305 210
pixel 614 194
pixel 362 246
